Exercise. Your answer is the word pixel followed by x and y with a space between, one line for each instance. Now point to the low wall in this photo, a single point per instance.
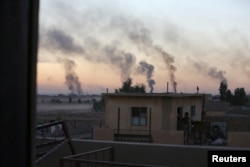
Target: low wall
pixel 103 134
pixel 151 154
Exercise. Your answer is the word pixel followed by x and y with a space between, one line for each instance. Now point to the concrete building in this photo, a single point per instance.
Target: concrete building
pixel 228 124
pixel 148 117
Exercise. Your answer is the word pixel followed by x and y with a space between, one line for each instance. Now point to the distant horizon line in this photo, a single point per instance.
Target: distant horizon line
pixel 99 94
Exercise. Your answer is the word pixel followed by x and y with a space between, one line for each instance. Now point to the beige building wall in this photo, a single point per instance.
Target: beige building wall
pixel 170 110
pixel 238 139
pixel 163 115
pixel 168 137
pixel 125 103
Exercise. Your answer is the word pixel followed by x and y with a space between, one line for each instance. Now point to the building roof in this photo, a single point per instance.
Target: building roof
pixel 238 110
pixel 212 105
pixel 170 94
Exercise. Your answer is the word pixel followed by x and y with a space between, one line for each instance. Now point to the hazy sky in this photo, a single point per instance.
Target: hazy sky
pixel 88 46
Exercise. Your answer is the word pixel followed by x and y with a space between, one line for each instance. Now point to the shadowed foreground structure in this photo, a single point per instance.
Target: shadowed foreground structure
pixel 18 49
pixel 140 153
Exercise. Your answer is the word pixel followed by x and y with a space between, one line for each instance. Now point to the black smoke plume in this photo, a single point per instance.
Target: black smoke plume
pixel 141 37
pixel 97 51
pixel 147 69
pixel 144 41
pixel 169 60
pixel 58 40
pixel 71 78
pixel 210 71
pixel 122 60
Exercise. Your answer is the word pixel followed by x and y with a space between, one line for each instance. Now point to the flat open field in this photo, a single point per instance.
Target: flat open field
pixel 80 117
pixel 64 107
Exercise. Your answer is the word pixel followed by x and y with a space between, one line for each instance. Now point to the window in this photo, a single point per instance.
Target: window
pixel 139 116
pixel 192 110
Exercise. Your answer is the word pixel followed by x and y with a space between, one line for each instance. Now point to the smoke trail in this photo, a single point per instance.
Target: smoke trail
pixel 144 41
pixel 72 80
pixel 141 37
pixel 210 71
pixel 58 40
pixel 94 51
pixel 214 73
pixel 169 60
pixel 124 61
pixel 147 69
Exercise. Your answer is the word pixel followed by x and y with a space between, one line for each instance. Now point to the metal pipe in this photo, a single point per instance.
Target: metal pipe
pixel 118 121
pixel 203 107
pixel 167 87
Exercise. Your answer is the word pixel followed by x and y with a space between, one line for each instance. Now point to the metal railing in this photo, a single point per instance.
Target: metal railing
pixel 49 137
pixel 128 135
pixel 104 157
pixel 132 132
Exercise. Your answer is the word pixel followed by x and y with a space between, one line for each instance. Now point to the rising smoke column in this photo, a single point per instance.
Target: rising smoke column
pixel 122 60
pixel 58 40
pixel 169 60
pixel 144 41
pixel 147 69
pixel 214 73
pixel 71 78
pixel 94 51
pixel 210 71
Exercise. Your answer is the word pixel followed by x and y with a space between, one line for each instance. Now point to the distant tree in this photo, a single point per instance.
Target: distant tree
pixel 70 99
pixel 239 97
pixel 223 90
pixel 127 87
pixel 229 96
pixel 139 88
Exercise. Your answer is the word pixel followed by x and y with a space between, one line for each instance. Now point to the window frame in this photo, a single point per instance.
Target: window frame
pixel 139 116
pixel 193 112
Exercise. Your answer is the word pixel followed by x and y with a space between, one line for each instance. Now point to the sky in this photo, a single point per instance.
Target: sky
pixel 86 46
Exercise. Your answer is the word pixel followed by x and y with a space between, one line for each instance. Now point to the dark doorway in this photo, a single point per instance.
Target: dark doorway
pixel 179 118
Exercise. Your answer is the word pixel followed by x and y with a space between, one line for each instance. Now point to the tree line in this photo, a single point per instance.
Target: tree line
pixel 239 97
pixel 128 87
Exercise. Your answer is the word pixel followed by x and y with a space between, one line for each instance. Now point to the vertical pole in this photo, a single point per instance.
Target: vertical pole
pixel 203 107
pixel 112 156
pixel 150 121
pixel 202 118
pixel 167 87
pixel 65 129
pixel 61 162
pixel 118 121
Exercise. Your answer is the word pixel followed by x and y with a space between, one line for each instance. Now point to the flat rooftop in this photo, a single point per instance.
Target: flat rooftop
pixel 169 94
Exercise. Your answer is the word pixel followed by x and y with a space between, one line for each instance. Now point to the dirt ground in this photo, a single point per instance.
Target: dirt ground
pixel 80 118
